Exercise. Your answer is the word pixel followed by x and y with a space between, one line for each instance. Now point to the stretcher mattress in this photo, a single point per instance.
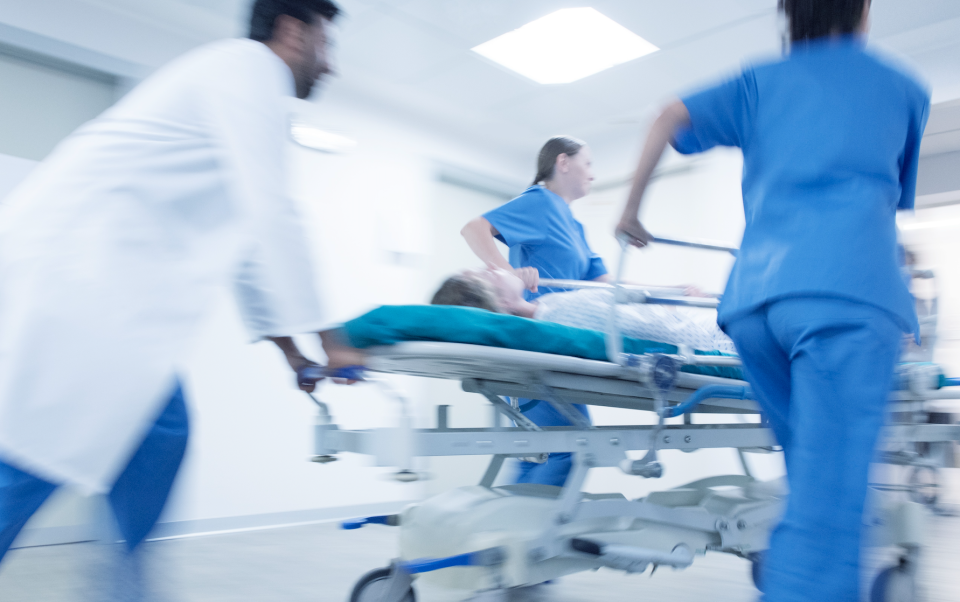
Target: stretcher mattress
pixel 393 324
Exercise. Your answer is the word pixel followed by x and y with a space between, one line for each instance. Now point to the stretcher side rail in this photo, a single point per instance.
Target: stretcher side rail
pixel 920 433
pixel 431 359
pixel 931 395
pixel 515 370
pixel 607 444
pixel 605 441
pixel 621 294
pixel 638 294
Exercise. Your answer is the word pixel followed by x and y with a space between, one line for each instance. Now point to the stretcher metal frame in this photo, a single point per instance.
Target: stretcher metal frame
pixel 646 383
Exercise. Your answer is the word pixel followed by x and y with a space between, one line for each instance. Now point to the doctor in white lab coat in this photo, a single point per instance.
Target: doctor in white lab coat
pixel 111 250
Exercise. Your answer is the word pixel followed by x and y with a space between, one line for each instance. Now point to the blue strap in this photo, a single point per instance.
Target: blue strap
pixel 709 392
pixel 426 565
pixel 350 525
pixel 488 557
pixel 311 374
pixel 346 373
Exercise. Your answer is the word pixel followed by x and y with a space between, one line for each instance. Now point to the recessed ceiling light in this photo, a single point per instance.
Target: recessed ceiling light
pixel 565 46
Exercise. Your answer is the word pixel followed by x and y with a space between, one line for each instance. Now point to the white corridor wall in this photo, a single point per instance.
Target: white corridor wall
pixel 34 115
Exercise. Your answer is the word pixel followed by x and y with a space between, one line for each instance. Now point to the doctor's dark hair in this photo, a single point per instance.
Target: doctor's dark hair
pixel 263 16
pixel 465 290
pixel 812 19
pixel 547 159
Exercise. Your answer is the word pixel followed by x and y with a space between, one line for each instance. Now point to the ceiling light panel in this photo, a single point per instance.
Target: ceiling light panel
pixel 565 46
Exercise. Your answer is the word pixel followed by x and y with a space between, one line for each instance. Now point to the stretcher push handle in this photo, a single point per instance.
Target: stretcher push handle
pixel 311 374
pixel 698 244
pixel 634 290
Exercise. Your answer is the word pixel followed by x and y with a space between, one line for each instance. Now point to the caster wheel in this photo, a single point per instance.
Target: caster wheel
pixel 375 585
pixel 756 568
pixel 895 584
pixel 924 484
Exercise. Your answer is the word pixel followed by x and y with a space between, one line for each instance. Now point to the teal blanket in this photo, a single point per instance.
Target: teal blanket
pixel 393 324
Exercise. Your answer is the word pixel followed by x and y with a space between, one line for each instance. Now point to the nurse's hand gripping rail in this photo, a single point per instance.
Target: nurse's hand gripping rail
pixel 561 531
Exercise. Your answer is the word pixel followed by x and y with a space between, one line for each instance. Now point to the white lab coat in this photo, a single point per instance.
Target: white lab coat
pixel 111 250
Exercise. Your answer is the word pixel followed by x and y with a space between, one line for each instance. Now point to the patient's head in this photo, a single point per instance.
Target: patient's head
pixel 492 289
pixel 467 289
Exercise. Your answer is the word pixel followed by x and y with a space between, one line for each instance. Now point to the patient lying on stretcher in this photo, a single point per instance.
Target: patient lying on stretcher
pixel 499 325
pixel 501 291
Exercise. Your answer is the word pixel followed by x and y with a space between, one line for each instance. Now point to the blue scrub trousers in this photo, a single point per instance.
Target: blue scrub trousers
pixel 557 467
pixel 138 495
pixel 821 369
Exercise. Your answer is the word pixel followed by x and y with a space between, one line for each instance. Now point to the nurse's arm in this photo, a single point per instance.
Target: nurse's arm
pixel 479 234
pixel 661 133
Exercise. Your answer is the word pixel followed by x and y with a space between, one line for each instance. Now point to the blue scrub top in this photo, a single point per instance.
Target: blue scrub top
pixel 831 139
pixel 541 232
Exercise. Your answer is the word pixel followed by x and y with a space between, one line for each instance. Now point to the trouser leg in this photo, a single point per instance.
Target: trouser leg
pixel 141 491
pixel 767 368
pixel 120 573
pixel 557 467
pixel 21 495
pixel 552 472
pixel 842 357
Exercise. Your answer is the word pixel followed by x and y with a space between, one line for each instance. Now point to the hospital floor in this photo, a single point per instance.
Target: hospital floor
pixel 320 563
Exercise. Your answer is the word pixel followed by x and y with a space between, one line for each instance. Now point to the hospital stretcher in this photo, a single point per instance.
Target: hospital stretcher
pixel 490 539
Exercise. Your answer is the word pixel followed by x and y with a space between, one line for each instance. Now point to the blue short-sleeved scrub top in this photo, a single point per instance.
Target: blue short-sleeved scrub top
pixel 541 232
pixel 830 138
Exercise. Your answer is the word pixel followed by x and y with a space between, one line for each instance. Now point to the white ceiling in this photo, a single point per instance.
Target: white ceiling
pixel 413 58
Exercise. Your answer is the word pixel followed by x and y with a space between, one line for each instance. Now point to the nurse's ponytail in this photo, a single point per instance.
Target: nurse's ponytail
pixel 547 160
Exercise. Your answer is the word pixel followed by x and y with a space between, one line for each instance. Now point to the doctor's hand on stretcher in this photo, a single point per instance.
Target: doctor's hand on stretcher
pixel 339 356
pixel 342 357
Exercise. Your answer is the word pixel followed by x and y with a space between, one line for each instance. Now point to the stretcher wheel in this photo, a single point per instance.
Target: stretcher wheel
pixel 895 584
pixel 374 586
pixel 924 482
pixel 756 568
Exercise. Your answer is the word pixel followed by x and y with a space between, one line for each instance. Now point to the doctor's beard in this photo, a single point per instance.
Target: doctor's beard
pixel 307 86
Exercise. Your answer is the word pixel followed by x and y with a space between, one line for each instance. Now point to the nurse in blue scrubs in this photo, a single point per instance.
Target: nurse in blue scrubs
pixel 815 303
pixel 545 241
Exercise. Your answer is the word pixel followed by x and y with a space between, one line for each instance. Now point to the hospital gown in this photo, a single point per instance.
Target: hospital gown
pixel 591 309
